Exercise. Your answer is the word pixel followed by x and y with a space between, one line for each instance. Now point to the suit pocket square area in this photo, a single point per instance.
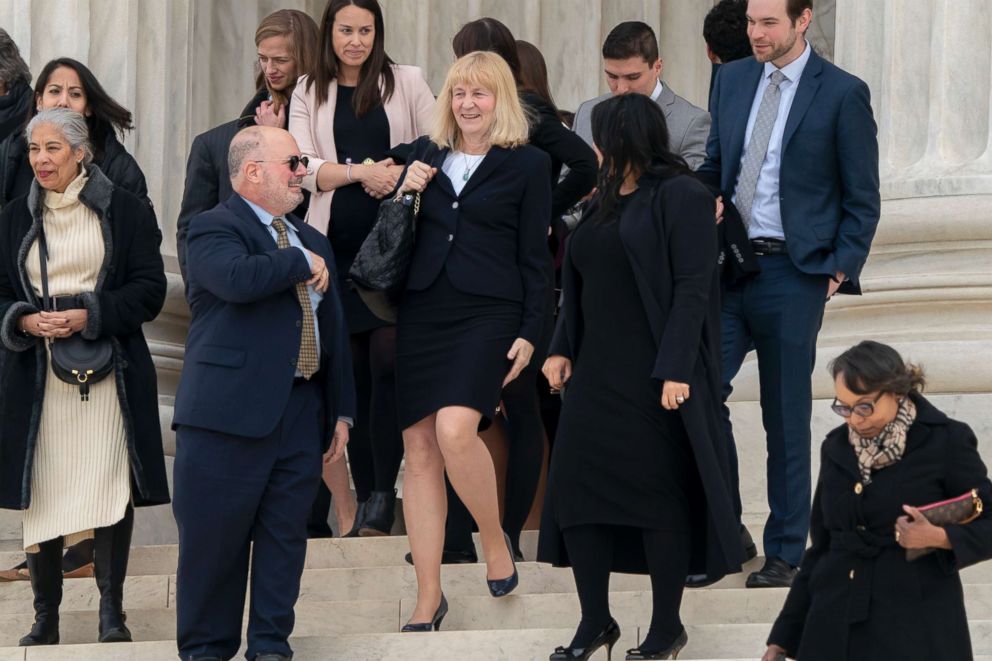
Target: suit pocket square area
pixel 212 354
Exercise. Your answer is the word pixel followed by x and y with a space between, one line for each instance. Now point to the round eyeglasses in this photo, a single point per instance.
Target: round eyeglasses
pixel 862 410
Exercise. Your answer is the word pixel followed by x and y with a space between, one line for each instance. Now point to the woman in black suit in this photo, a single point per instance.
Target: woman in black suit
pixel 639 474
pixel 472 312
pixel 856 596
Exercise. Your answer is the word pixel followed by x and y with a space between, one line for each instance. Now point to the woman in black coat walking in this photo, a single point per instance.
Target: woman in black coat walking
pixel 77 466
pixel 639 478
pixel 857 597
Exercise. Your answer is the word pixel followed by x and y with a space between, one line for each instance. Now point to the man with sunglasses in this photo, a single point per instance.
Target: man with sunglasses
pixel 266 389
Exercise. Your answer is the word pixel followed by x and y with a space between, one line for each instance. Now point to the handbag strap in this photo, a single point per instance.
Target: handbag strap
pixel 43 258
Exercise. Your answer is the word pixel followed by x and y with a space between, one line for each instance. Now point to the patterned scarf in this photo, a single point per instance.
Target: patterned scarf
pixel 886 448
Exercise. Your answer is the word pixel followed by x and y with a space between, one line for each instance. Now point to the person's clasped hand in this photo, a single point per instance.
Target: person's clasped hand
pixel 379 180
pixel 61 323
pixel 418 175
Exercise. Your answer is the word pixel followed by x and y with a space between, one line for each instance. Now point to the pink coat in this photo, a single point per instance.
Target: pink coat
pixel 409 111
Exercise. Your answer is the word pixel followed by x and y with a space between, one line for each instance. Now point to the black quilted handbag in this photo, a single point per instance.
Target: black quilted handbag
pixel 382 264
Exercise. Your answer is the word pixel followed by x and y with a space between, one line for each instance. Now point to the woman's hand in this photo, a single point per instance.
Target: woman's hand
pixel 557 370
pixel 773 653
pixel 265 116
pixel 674 394
pixel 395 171
pixel 338 443
pixel 719 210
pixel 377 179
pixel 913 531
pixel 418 175
pixel 54 324
pixel 520 353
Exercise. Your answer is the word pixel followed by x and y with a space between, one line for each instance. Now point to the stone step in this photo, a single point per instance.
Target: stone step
pixel 467 613
pixel 713 642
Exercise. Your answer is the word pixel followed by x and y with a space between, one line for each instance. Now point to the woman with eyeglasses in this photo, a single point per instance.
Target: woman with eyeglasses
pixel 857 596
pixel 355 106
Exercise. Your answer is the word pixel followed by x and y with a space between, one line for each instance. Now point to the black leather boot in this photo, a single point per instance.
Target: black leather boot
pixel 380 513
pixel 46 582
pixel 111 547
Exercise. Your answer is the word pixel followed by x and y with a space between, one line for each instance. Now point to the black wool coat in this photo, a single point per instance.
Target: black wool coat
pixel 674 263
pixel 130 291
pixel 856 597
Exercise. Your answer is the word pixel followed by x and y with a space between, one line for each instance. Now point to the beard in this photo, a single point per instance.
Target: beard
pixel 283 197
pixel 776 52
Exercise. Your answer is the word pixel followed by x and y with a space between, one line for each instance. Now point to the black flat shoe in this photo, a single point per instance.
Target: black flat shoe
pixel 504 586
pixel 451 558
pixel 776 573
pixel 637 654
pixel 433 625
pixel 608 637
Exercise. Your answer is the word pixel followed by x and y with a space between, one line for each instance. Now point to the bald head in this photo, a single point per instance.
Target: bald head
pixel 258 160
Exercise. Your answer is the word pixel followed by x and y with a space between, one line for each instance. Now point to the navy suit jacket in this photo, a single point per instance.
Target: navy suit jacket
pixel 492 238
pixel 828 182
pixel 244 336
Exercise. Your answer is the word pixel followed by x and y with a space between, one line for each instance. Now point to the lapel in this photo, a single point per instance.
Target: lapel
pixel 666 100
pixel 240 208
pixel 752 77
pixel 839 450
pixel 489 165
pixel 639 234
pixel 809 83
pixel 437 161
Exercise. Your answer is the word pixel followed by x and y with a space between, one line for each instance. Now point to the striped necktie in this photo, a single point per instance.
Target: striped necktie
pixel 307 361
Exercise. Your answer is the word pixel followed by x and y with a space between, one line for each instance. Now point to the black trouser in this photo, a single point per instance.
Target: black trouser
pixel 375 448
pixel 590 550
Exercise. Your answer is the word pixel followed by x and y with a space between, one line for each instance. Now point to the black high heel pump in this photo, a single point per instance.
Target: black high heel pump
pixel 434 624
pixel 608 637
pixel 504 586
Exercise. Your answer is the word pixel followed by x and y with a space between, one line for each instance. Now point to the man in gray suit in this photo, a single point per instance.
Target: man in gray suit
pixel 632 65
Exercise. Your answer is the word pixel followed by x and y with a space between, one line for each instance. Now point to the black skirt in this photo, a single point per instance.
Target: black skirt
pixel 451 350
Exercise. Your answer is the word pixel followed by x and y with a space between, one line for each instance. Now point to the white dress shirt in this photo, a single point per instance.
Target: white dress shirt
pixel 766 214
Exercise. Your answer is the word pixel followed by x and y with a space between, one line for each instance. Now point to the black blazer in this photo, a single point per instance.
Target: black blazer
pixel 130 291
pixel 855 591
pixel 244 336
pixel 492 238
pixel 669 236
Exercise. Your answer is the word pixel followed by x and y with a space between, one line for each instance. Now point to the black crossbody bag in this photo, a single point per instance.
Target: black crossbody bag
pixel 75 359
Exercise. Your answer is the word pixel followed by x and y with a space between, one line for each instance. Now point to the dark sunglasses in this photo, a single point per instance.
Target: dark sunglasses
pixel 862 410
pixel 293 161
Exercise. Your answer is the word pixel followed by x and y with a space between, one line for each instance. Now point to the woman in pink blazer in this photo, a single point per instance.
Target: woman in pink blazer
pixel 346 116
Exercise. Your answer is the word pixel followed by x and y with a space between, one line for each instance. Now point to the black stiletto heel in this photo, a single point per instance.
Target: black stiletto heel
pixel 504 586
pixel 608 637
pixel 434 624
pixel 672 652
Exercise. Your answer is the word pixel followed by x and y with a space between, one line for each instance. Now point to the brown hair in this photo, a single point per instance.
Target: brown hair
pixel 534 72
pixel 488 34
pixel 875 367
pixel 795 9
pixel 368 95
pixel 301 30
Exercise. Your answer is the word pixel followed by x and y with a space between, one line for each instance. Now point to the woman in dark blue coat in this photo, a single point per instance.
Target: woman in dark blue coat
pixel 857 597
pixel 639 479
pixel 472 311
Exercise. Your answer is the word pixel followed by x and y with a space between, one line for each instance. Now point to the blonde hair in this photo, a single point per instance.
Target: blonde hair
pixel 489 70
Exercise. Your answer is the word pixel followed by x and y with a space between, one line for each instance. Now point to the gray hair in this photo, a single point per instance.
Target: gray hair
pixel 70 124
pixel 13 69
pixel 245 144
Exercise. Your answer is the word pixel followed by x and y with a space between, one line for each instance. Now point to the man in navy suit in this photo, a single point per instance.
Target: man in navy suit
pixel 266 390
pixel 793 142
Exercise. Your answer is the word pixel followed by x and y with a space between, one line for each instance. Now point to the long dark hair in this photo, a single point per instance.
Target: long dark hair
pixel 534 73
pixel 488 34
pixel 105 114
pixel 871 366
pixel 630 132
pixel 367 95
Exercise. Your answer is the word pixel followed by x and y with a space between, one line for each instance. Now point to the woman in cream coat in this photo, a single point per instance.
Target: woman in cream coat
pixel 346 116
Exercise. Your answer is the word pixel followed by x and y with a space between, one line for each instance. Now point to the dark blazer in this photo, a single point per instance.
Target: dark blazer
pixel 130 291
pixel 115 162
pixel 244 336
pixel 856 596
pixel 492 238
pixel 674 259
pixel 828 183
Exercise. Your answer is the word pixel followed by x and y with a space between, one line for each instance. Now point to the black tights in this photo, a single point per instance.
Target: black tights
pixel 376 446
pixel 525 433
pixel 590 550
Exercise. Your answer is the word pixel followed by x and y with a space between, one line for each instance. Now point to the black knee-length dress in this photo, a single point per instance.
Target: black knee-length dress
pixel 619 457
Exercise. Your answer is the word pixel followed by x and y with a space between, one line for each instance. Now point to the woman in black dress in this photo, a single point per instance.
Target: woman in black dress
pixel 472 311
pixel 639 476
pixel 521 407
pixel 857 597
pixel 356 105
